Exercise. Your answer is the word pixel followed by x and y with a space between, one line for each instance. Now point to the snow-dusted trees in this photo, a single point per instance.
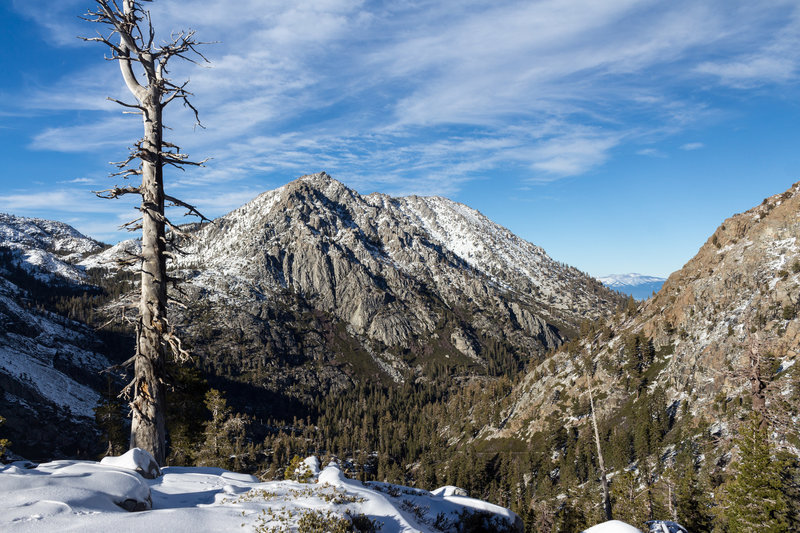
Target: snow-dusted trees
pixel 130 37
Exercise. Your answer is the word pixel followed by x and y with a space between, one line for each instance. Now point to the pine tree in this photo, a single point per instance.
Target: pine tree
pixel 4 443
pixel 629 502
pixel 756 500
pixel 224 434
pixel 692 507
pixel 110 418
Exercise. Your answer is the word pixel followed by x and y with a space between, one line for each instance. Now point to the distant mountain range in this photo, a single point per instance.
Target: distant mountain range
pixel 639 286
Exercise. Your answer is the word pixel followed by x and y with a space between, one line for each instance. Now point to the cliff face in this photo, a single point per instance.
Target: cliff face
pixel 738 297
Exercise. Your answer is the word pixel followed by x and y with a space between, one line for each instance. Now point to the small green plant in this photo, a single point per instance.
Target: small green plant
pixel 789 312
pixel 363 524
pixel 298 471
pixel 324 522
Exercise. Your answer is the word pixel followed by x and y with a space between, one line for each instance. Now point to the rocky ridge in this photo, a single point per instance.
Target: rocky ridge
pixel 738 296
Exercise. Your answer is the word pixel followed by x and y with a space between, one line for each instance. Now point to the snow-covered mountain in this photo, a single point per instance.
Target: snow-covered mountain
pixel 382 286
pixel 639 286
pixel 47 248
pixel 49 364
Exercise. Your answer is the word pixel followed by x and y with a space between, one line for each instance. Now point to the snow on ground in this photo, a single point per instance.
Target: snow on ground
pixel 613 526
pixel 69 496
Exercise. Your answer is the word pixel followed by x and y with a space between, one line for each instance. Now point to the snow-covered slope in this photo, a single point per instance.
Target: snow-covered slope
pixel 639 286
pixel 90 496
pixel 49 364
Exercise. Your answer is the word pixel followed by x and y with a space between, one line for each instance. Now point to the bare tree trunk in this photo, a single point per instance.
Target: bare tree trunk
pixel 600 461
pixel 148 424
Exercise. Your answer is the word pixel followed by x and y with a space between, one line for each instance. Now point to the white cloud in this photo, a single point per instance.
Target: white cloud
pixel 112 133
pixel 64 200
pixel 773 57
pixel 85 181
pixel 573 154
pixel 651 152
pixel 692 146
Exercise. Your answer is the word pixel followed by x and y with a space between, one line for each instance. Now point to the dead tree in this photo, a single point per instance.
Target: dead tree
pixel 129 35
pixel 589 367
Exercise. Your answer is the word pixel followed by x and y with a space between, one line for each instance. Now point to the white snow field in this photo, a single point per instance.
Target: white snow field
pixel 65 496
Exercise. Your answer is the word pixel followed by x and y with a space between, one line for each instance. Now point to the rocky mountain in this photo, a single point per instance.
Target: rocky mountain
pixel 639 286
pixel 47 248
pixel 376 286
pixel 696 341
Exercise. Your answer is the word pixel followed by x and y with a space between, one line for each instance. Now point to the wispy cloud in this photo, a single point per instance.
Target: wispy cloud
pixel 651 152
pixel 692 146
pixel 113 132
pixel 773 58
pixel 419 97
pixel 63 200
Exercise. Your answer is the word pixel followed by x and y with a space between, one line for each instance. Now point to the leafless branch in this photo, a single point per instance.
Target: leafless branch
pixel 116 192
pixel 120 102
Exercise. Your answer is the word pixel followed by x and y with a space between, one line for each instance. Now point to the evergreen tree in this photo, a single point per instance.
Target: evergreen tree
pixel 224 434
pixel 110 418
pixel 756 500
pixel 4 443
pixel 185 408
pixel 629 504
pixel 692 507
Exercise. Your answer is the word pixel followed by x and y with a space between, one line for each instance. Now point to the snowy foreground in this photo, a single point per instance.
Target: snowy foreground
pixel 117 495
pixel 90 496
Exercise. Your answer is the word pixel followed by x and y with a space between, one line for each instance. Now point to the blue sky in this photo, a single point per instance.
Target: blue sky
pixel 617 135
